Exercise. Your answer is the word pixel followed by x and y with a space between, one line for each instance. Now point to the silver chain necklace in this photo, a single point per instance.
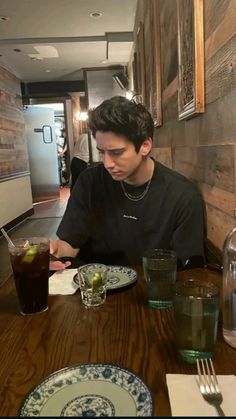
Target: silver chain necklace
pixel 136 197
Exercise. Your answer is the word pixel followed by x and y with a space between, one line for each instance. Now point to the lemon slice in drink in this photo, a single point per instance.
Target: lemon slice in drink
pixel 96 281
pixel 30 254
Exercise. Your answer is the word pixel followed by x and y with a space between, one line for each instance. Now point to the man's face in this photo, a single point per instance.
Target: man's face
pixel 119 155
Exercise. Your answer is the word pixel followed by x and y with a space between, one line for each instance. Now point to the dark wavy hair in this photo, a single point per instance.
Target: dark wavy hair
pixel 123 117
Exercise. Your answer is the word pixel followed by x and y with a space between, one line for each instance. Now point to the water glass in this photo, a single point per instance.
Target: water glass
pixel 196 310
pixel 160 275
pixel 30 264
pixel 93 281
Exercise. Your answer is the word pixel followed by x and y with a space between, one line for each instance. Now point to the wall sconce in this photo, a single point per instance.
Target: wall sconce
pixel 129 94
pixel 135 97
pixel 81 116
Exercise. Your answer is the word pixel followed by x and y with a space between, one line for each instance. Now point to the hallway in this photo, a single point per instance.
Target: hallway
pixel 44 222
pixel 53 208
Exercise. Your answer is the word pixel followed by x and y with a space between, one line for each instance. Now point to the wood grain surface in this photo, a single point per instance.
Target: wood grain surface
pixel 124 331
pixel 211 135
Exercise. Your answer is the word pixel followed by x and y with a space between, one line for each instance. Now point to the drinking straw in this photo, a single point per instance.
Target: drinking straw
pixel 7 237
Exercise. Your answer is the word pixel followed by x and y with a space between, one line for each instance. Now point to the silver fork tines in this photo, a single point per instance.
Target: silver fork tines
pixel 208 384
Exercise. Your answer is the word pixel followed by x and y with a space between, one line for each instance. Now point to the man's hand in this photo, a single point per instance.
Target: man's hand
pixel 60 248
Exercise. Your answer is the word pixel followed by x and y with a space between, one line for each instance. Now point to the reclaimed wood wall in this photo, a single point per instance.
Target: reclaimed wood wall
pixel 15 187
pixel 201 148
pixel 13 147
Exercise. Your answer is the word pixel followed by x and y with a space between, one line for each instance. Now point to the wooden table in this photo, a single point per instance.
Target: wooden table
pixel 124 331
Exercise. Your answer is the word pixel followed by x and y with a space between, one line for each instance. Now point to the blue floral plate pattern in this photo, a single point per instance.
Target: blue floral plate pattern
pixel 117 277
pixel 89 390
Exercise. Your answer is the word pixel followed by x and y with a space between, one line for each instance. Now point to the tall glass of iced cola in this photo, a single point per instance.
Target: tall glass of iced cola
pixel 30 264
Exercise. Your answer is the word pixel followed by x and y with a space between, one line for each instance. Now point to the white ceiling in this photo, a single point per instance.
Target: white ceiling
pixel 60 36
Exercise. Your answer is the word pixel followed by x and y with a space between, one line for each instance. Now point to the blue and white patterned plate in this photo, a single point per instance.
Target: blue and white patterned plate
pixel 117 277
pixel 89 390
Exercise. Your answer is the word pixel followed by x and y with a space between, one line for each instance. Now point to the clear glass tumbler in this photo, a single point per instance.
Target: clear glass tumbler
pixel 159 267
pixel 196 310
pixel 93 281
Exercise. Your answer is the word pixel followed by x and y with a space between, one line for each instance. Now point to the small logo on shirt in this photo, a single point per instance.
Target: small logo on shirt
pixel 130 216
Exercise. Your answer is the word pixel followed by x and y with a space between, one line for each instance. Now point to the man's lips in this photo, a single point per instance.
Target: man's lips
pixel 115 173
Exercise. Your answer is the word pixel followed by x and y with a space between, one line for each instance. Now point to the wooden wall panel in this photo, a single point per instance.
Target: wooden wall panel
pixel 219 225
pixel 170 133
pixel 170 90
pixel 218 198
pixel 170 108
pixel 202 148
pixel 163 155
pixel 13 147
pixel 225 29
pixel 221 72
pixel 9 83
pixel 216 126
pixel 168 12
pixel 213 20
pixel 214 165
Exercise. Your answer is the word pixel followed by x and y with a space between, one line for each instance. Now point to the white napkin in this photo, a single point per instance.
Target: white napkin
pixel 186 399
pixel 61 282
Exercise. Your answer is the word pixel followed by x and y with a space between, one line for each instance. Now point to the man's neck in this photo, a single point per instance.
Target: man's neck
pixel 143 173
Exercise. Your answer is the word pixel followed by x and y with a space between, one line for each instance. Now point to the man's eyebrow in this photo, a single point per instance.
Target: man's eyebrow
pixel 112 149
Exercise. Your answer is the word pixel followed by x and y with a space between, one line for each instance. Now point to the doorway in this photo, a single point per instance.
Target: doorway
pixel 50 188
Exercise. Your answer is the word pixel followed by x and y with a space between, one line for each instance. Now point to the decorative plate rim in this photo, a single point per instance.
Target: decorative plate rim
pixel 76 366
pixel 114 286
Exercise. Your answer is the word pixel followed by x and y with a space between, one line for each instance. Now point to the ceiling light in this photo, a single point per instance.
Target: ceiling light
pixel 4 18
pixel 35 57
pixel 48 71
pixel 17 50
pixel 95 14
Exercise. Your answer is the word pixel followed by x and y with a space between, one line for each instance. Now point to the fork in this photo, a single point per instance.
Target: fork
pixel 208 384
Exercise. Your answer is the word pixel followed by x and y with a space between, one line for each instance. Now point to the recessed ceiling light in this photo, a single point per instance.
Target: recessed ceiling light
pixel 35 57
pixel 95 14
pixel 48 71
pixel 17 50
pixel 4 18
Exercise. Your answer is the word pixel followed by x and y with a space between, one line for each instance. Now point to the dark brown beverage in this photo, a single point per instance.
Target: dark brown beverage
pixel 30 264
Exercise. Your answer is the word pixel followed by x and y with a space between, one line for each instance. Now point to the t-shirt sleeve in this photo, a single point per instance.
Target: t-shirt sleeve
pixel 75 226
pixel 189 234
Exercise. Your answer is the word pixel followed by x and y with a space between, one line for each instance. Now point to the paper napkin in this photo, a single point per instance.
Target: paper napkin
pixel 186 399
pixel 61 282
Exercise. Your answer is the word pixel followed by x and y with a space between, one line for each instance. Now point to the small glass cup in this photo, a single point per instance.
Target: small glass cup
pixel 159 267
pixel 30 264
pixel 196 310
pixel 93 280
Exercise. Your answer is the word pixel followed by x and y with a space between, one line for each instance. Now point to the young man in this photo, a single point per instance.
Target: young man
pixel 129 203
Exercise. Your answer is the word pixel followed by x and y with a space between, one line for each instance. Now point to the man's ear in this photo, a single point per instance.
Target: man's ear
pixel 146 146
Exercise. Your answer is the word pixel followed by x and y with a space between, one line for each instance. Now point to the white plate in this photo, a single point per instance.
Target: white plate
pixel 89 390
pixel 117 277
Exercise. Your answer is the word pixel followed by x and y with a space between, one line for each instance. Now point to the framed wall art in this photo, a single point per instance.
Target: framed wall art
pixel 190 58
pixel 140 56
pixel 135 73
pixel 156 98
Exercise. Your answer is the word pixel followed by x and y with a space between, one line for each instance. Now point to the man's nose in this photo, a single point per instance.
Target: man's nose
pixel 108 161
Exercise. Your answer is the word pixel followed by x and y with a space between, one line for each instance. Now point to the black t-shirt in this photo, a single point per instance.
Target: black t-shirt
pixel 110 228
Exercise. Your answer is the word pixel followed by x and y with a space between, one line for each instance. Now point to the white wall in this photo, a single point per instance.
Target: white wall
pixel 16 199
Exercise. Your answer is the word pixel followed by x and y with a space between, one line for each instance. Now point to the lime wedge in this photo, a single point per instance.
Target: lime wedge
pixel 30 254
pixel 96 281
